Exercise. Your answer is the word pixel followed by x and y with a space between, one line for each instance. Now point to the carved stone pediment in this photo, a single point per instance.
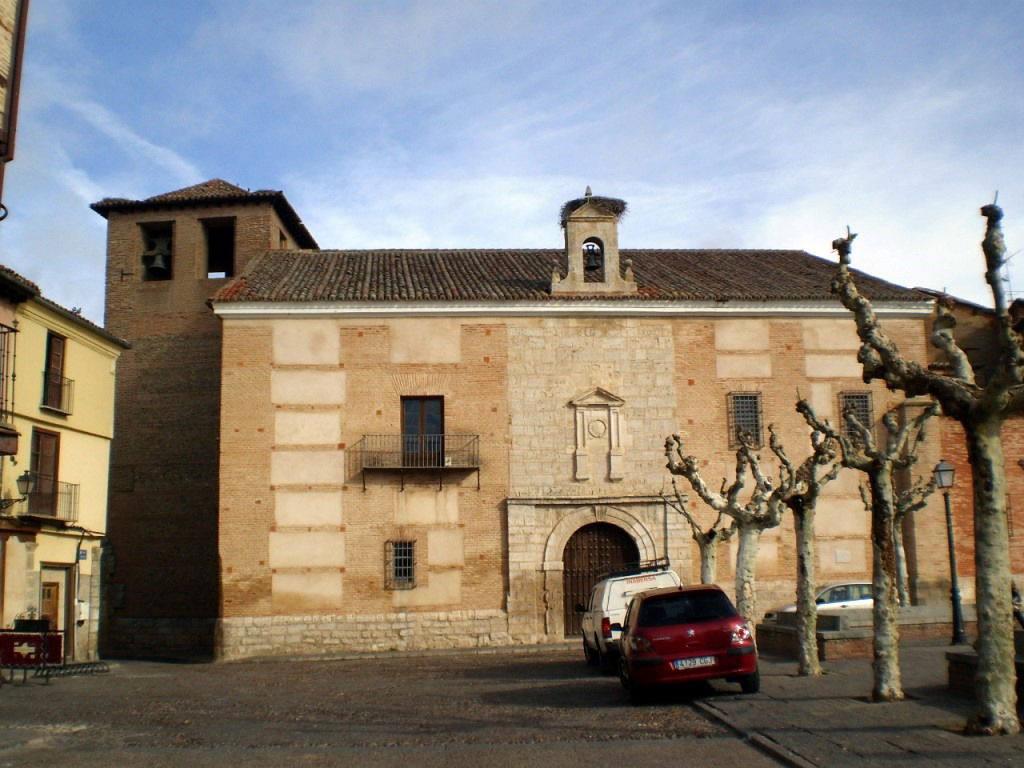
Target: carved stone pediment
pixel 597 397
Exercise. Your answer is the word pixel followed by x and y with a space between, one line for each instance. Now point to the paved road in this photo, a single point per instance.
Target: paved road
pixel 512 708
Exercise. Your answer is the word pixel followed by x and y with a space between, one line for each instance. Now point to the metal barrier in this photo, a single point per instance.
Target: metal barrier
pixel 26 650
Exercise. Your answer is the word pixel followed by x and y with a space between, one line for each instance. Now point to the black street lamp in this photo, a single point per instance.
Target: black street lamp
pixel 945 474
pixel 26 484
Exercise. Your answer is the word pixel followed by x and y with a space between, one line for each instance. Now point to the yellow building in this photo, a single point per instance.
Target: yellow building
pixel 57 403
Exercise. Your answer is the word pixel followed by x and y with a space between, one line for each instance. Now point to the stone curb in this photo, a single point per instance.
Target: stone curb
pixel 758 740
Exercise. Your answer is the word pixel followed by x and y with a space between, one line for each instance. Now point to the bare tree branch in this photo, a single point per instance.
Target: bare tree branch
pixel 942 338
pixel 879 355
pixel 707 540
pixel 750 519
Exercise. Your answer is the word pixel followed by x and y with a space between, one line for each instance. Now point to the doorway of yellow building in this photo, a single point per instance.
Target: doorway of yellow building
pixel 55 602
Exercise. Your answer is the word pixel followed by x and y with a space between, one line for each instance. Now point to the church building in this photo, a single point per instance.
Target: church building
pixel 352 450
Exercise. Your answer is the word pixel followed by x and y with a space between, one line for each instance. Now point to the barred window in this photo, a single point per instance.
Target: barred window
pixel 744 416
pixel 860 404
pixel 400 570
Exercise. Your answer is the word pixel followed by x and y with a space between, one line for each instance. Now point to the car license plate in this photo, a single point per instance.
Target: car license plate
pixel 696 661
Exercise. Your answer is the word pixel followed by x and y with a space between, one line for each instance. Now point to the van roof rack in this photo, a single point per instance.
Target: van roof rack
pixel 643 566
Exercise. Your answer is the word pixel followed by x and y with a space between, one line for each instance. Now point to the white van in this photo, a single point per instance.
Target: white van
pixel 603 614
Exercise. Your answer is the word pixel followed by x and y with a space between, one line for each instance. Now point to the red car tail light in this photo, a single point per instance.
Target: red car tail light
pixel 741 635
pixel 640 644
pixel 606 627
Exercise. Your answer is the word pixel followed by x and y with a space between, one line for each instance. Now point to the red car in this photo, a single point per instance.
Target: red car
pixel 682 634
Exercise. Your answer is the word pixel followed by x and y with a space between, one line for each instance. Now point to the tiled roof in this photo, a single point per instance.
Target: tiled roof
pixel 212 192
pixel 213 188
pixel 525 275
pixel 16 283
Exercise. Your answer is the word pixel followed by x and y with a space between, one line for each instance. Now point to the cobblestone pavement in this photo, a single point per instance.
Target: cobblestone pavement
pixel 830 722
pixel 497 708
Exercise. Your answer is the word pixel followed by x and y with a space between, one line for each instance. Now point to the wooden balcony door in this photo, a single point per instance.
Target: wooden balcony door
pixel 423 431
pixel 45 453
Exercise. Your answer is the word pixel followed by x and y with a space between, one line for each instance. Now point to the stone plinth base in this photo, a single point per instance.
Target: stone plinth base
pixel 851 635
pixel 962 665
pixel 248 637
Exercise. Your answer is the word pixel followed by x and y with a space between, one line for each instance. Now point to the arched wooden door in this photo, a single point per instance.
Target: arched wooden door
pixel 590 552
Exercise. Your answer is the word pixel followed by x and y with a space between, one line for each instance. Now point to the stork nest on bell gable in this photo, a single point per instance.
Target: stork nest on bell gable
pixel 609 205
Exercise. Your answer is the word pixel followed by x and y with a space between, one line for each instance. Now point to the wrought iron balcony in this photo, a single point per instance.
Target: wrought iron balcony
pixel 53 500
pixel 416 452
pixel 58 392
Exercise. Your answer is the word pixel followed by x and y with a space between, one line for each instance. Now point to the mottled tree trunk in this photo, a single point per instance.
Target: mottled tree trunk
pixel 902 575
pixel 709 560
pixel 887 681
pixel 749 537
pixel 806 607
pixel 996 676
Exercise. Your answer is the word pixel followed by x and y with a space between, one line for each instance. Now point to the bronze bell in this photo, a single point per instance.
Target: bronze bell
pixel 157 258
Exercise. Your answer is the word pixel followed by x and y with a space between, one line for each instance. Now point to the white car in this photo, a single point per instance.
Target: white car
pixel 603 614
pixel 844 596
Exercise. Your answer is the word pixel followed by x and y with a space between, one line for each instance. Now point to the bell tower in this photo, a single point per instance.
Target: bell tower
pixel 591 225
pixel 165 256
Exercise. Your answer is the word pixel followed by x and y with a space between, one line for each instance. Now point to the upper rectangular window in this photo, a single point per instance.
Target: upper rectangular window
pixel 8 432
pixel 6 355
pixel 57 388
pixel 745 417
pixel 220 247
pixel 157 250
pixel 859 404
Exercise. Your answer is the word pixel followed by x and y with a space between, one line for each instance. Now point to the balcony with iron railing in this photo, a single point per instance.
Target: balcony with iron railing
pixel 58 392
pixel 404 453
pixel 53 500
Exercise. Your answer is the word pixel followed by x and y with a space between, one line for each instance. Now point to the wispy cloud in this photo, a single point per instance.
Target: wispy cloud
pixel 161 159
pixel 465 123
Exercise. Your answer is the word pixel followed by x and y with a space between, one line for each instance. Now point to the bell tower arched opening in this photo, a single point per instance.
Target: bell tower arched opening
pixel 593 260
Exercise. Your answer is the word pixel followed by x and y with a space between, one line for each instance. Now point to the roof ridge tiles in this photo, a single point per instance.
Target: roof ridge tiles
pixel 396 275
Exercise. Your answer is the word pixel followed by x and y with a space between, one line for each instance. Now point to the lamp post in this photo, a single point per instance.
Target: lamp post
pixel 945 474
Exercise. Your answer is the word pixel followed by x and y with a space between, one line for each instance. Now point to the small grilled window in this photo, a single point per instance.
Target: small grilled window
pixel 858 403
pixel 400 569
pixel 744 417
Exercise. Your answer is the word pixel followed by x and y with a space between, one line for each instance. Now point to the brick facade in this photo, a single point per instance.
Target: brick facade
pixel 244 523
pixel 300 538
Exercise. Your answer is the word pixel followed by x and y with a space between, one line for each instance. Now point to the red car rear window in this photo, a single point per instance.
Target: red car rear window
pixel 684 608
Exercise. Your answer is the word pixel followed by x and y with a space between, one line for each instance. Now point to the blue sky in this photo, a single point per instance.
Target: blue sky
pixel 461 123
